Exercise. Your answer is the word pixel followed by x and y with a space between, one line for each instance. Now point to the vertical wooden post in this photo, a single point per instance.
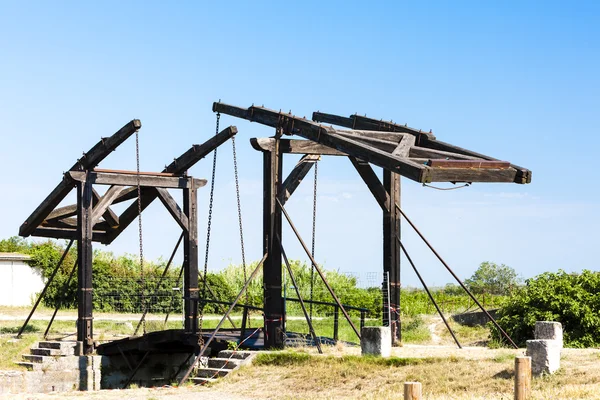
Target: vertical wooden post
pixel 336 323
pixel 362 319
pixel 190 260
pixel 85 334
pixel 522 378
pixel 412 390
pixel 391 250
pixel 272 268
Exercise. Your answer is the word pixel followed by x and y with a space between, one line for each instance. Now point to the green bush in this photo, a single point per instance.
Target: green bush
pixel 572 299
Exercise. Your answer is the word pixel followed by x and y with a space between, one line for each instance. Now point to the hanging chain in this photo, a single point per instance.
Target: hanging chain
pixel 239 209
pixel 210 211
pixel 139 204
pixel 314 229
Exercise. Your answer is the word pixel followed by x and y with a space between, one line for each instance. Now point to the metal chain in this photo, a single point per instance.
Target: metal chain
pixel 314 229
pixel 139 204
pixel 210 211
pixel 239 209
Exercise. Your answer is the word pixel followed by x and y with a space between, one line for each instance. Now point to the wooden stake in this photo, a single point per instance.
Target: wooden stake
pixel 522 378
pixel 412 390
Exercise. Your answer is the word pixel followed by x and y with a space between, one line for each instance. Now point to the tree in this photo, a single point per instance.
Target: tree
pixel 491 278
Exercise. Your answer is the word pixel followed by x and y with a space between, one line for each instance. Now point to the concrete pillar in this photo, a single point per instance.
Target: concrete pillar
pixel 376 340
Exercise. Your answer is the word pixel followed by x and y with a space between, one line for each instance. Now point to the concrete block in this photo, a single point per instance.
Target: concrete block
pixel 545 356
pixel 549 330
pixel 376 340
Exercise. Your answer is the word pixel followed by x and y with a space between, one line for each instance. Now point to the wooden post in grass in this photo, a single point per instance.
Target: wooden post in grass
pixel 412 390
pixel 522 377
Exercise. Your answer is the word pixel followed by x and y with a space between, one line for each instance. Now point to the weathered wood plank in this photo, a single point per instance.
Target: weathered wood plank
pixel 472 175
pixel 107 178
pixel 131 212
pixel 477 164
pixel 423 152
pixel 522 175
pixel 381 144
pixel 294 146
pixel 373 183
pixel 393 137
pixel 173 208
pixel 293 180
pixel 71 223
pixel 403 148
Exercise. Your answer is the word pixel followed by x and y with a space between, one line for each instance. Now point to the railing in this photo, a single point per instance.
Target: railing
pixel 336 313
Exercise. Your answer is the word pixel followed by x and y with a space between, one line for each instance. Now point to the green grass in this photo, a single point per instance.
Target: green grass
pixel 11 350
pixel 289 358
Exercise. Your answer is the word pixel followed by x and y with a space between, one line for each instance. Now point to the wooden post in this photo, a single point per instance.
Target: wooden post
pixel 522 378
pixel 190 260
pixel 272 269
pixel 85 333
pixel 391 251
pixel 412 390
pixel 336 323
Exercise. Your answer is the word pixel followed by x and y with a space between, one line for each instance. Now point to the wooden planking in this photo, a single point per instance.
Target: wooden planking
pixel 104 203
pixel 293 180
pixel 173 208
pixel 403 148
pixel 477 164
pixel 129 172
pixel 381 144
pixel 107 178
pixel 294 146
pixel 373 183
pixel 70 223
pixel 197 152
pixel 332 119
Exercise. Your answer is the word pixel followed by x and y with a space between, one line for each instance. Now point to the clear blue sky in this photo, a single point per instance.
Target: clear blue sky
pixel 516 80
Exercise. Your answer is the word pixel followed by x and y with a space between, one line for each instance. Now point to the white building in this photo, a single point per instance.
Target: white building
pixel 19 283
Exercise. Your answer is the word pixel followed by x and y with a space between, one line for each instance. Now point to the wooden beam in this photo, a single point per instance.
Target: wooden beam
pixel 63 233
pixel 293 180
pixel 41 212
pixel 373 183
pixel 381 144
pixel 476 164
pixel 197 152
pixel 173 208
pixel 129 215
pixel 89 160
pixel 109 216
pixel 71 223
pixel 393 137
pixel 327 136
pixel 473 175
pixel 522 175
pixel 363 123
pixel 104 202
pixel 294 146
pixel 403 148
pixel 423 152
pixel 107 178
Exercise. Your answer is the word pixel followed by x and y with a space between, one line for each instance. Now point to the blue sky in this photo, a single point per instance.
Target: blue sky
pixel 516 80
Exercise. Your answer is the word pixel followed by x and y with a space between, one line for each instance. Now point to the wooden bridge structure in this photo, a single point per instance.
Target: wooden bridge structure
pixel 398 149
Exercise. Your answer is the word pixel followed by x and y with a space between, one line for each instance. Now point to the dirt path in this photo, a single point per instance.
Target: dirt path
pixel 433 329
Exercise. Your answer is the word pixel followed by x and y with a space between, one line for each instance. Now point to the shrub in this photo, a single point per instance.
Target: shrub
pixel 569 298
